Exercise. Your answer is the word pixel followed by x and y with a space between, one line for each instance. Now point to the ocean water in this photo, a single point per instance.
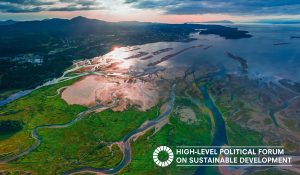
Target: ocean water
pixel 271 52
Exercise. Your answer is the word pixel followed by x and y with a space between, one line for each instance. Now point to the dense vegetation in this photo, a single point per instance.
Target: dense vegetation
pixel 173 134
pixel 10 126
pixel 38 108
pixel 229 33
pixel 82 144
pixel 85 143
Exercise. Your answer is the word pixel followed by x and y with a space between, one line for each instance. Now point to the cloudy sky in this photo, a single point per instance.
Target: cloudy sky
pixel 172 11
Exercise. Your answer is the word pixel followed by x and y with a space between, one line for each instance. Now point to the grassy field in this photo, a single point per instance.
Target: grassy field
pixel 171 135
pixel 33 110
pixel 83 144
pixel 237 135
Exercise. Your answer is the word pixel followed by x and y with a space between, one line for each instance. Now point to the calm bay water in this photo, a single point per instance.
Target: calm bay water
pixel 271 52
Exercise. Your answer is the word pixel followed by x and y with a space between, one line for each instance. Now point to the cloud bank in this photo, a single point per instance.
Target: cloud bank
pixel 232 7
pixel 29 6
pixel 178 7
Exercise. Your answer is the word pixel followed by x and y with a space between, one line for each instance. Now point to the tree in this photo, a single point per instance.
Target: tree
pixel 10 126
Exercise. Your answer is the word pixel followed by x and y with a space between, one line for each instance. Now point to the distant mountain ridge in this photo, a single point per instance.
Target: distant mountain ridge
pixel 61 41
pixel 213 22
pixel 75 26
pixel 84 26
pixel 279 21
pixel 221 21
pixel 7 22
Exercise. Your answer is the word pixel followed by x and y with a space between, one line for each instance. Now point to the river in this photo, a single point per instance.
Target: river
pixel 14 97
pixel 220 134
pixel 126 141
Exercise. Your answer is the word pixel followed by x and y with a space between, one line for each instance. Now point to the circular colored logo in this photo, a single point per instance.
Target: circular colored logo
pixel 163 156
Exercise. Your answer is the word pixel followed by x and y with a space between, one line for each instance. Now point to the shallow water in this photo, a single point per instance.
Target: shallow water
pixel 264 52
pixel 14 97
pixel 266 59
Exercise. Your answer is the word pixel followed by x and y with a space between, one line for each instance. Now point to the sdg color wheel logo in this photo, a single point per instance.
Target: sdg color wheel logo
pixel 163 156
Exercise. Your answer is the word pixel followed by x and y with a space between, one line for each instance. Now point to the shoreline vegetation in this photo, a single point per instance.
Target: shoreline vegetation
pixel 94 141
pixel 41 108
pixel 34 52
pixel 48 135
pixel 87 143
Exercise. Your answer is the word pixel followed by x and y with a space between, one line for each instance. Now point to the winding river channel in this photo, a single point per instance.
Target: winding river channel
pixel 37 137
pixel 219 135
pixel 267 62
pixel 125 142
pixel 23 93
pixel 127 138
pixel 14 97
